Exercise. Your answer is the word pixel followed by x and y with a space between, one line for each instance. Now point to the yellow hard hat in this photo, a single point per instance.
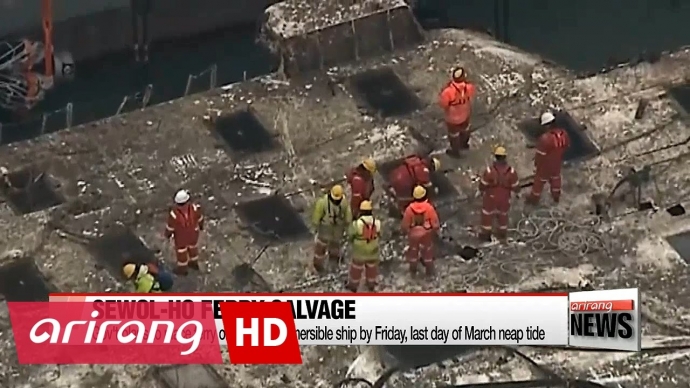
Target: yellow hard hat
pixel 365 205
pixel 436 163
pixel 459 74
pixel 500 151
pixel 419 192
pixel 337 192
pixel 369 164
pixel 128 270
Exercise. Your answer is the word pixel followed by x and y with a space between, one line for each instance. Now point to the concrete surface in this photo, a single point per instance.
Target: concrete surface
pixel 124 170
pixel 90 32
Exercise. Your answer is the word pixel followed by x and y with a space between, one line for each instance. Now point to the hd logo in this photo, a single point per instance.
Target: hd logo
pixel 607 319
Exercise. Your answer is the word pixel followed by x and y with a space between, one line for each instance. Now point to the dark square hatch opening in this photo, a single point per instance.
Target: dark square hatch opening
pixel 384 92
pixel 22 281
pixel 446 189
pixel 189 376
pixel 243 132
pixel 272 218
pixel 681 93
pixel 581 147
pixel 117 247
pixel 30 190
pixel 681 243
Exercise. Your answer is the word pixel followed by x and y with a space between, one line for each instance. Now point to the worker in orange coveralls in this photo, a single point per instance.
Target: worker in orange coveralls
pixel 414 171
pixel 185 221
pixel 548 160
pixel 456 102
pixel 497 184
pixel 421 223
pixel 361 181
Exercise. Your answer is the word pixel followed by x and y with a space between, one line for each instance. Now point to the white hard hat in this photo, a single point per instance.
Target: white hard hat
pixel 181 197
pixel 547 118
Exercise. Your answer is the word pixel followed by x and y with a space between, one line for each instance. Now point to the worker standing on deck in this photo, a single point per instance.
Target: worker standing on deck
pixel 497 184
pixel 548 160
pixel 332 215
pixel 144 281
pixel 361 181
pixel 456 101
pixel 414 171
pixel 421 223
pixel 364 233
pixel 185 222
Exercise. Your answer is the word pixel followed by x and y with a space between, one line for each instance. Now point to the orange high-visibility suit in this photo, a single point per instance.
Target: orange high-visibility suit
pixel 548 162
pixel 420 222
pixel 361 184
pixel 414 171
pixel 456 102
pixel 184 225
pixel 497 184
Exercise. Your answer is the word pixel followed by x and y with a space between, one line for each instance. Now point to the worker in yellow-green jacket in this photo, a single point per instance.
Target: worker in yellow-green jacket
pixel 332 214
pixel 364 233
pixel 144 280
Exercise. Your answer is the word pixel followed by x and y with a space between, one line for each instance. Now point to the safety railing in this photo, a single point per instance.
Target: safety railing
pixel 211 72
pixel 138 99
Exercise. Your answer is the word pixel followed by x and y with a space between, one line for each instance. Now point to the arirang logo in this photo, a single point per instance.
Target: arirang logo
pixel 190 332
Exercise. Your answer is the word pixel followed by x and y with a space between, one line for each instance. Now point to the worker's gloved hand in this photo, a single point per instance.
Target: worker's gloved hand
pixel 436 190
pixel 3 171
pixel 478 194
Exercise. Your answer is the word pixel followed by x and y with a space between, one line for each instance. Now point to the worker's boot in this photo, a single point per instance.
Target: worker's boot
pixel 413 268
pixel 556 198
pixel 352 287
pixel 453 153
pixel 319 267
pixel 430 270
pixel 194 264
pixel 501 235
pixel 181 270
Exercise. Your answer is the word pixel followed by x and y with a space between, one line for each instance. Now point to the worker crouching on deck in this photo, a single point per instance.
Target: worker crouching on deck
pixel 144 281
pixel 364 233
pixel 414 171
pixel 332 215
pixel 456 101
pixel 421 223
pixel 361 181
pixel 497 184
pixel 185 223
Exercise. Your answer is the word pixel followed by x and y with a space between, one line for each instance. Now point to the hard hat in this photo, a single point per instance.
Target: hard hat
pixel 500 151
pixel 369 164
pixel 365 205
pixel 337 192
pixel 181 197
pixel 419 192
pixel 547 118
pixel 128 270
pixel 459 73
pixel 436 163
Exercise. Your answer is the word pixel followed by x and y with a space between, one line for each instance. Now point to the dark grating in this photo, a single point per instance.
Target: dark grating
pixel 681 94
pixel 30 191
pixel 681 243
pixel 676 210
pixel 189 376
pixel 118 247
pixel 446 189
pixel 243 132
pixel 581 147
pixel 384 92
pixel 21 281
pixel 272 218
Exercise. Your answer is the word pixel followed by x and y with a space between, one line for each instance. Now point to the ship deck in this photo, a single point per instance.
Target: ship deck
pixel 114 180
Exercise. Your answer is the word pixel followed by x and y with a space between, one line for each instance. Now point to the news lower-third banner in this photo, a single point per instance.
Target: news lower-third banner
pixel 606 319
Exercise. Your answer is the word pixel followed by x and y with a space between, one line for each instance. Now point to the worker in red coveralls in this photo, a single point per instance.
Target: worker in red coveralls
pixel 185 222
pixel 548 160
pixel 361 181
pixel 497 184
pixel 414 171
pixel 421 224
pixel 456 101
